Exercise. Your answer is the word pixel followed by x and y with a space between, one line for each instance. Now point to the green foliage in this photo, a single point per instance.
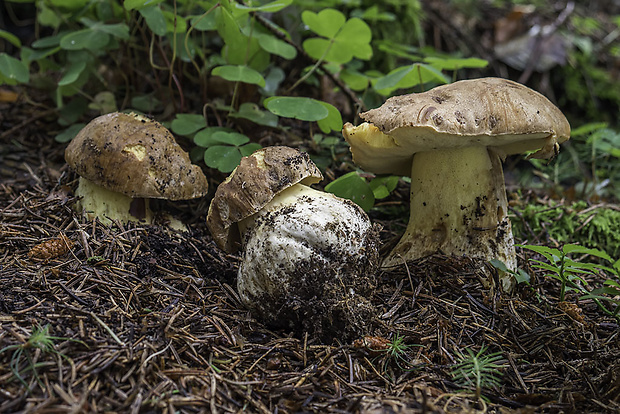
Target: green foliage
pixel 12 71
pixel 341 39
pixel 571 273
pixel 588 162
pixel 478 370
pixel 356 188
pixel 158 56
pixel 520 275
pixel 236 73
pixel 219 147
pixel 575 223
pixel 306 109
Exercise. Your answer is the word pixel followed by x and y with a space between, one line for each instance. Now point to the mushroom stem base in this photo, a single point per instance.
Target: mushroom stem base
pixel 458 207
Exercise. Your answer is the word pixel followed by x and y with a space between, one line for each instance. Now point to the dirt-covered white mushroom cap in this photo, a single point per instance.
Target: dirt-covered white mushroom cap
pixel 255 182
pixel 135 156
pixel 500 114
pixel 309 260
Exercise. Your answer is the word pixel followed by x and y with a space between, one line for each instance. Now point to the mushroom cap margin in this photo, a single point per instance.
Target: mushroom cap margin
pixel 497 113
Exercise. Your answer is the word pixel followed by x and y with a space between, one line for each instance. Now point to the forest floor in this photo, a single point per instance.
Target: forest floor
pixel 143 319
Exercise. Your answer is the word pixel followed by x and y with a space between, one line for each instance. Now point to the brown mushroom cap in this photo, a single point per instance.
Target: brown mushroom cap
pixel 254 183
pixel 497 113
pixel 135 156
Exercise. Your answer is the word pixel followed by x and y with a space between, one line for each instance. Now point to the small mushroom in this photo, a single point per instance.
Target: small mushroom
pixel 451 141
pixel 308 257
pixel 125 159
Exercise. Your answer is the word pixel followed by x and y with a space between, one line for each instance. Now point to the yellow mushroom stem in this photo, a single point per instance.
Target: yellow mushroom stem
pixel 111 206
pixel 457 207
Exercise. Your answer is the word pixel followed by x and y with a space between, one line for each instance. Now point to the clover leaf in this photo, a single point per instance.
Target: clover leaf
pixel 239 73
pixel 354 187
pixel 341 39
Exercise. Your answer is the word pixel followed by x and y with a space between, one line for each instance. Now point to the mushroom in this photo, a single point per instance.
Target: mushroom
pixel 308 257
pixel 125 159
pixel 451 141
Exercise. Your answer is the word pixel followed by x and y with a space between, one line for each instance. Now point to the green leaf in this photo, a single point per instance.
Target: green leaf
pixel 118 30
pixel 455 63
pixel 229 138
pixel 587 129
pixel 252 112
pixel 174 22
pixel 139 4
pixel 273 7
pixel 326 23
pixel 548 252
pixel 204 137
pixel 223 157
pixel 354 79
pixel 274 78
pixel 85 39
pixel 13 70
pixel 407 77
pixel 354 187
pixel 72 111
pixel 65 5
pixel 205 22
pixel 239 49
pixel 49 41
pixel 11 38
pixel 304 109
pixel 333 120
pixel 574 248
pixel 342 39
pixel 276 46
pixel 104 102
pixel 356 36
pixel 146 103
pixel 69 133
pixel 72 74
pixel 155 20
pixel 383 186
pixel 248 149
pixel 187 124
pixel 239 74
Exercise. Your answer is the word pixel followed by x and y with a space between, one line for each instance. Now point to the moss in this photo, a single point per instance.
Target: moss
pixel 575 223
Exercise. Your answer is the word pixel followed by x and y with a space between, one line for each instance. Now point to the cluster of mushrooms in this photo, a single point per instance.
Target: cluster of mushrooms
pixel 308 258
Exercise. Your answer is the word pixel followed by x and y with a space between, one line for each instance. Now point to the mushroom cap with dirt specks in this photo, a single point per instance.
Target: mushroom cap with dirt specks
pixel 135 156
pixel 253 184
pixel 497 113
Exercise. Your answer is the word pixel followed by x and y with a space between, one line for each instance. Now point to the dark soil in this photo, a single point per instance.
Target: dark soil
pixel 143 319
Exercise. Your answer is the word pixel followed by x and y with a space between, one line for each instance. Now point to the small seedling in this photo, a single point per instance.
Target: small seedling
pixel 570 273
pixel 39 339
pixel 388 350
pixel 478 371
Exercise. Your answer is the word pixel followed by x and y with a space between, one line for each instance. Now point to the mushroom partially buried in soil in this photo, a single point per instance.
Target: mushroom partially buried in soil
pixel 308 257
pixel 451 141
pixel 126 159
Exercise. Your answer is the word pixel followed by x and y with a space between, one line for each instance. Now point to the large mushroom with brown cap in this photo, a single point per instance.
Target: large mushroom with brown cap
pixel 124 160
pixel 308 257
pixel 451 141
